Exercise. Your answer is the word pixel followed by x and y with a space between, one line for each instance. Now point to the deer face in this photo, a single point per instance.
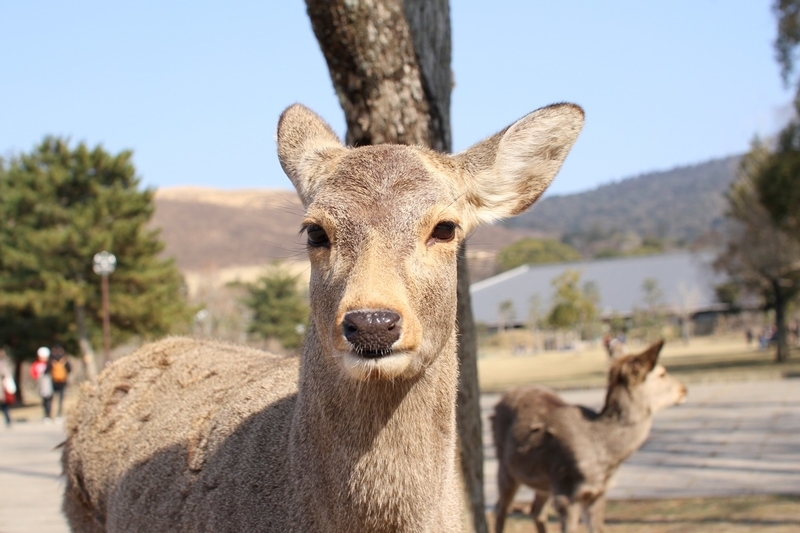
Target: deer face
pixel 382 239
pixel 647 381
pixel 384 223
pixel 663 390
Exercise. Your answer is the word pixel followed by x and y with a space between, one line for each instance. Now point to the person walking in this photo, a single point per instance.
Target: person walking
pixel 59 368
pixel 39 372
pixel 7 386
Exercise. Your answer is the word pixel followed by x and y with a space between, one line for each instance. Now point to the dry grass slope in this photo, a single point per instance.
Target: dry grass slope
pixel 209 229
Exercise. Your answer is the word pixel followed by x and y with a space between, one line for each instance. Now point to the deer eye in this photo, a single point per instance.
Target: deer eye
pixel 443 232
pixel 317 237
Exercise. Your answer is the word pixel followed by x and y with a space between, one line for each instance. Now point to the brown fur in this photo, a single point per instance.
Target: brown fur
pixel 570 452
pixel 187 435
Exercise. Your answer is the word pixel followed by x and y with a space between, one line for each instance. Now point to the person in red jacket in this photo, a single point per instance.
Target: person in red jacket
pixel 39 372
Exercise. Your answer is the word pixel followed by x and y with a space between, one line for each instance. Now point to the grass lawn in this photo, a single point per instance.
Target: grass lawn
pixel 703 359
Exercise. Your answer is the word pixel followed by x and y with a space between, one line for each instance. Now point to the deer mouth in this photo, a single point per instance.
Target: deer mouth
pixel 385 364
pixel 372 353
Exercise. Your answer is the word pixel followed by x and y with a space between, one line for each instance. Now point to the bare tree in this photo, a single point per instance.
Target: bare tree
pixel 390 65
pixel 758 254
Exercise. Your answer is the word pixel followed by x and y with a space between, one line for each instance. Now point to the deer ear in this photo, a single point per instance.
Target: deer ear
pixel 638 366
pixel 306 146
pixel 507 172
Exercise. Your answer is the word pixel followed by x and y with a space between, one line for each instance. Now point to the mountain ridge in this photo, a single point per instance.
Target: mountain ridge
pixel 678 204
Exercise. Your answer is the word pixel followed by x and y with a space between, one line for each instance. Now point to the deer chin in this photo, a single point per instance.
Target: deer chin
pixel 378 367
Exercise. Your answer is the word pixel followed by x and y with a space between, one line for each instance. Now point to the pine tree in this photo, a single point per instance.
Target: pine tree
pixel 58 207
pixel 279 311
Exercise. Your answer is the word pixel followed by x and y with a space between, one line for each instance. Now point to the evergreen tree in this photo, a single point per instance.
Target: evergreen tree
pixel 778 185
pixel 787 13
pixel 778 182
pixel 58 207
pixel 279 311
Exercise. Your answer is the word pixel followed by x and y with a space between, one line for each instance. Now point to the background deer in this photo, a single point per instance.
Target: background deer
pixel 360 435
pixel 570 452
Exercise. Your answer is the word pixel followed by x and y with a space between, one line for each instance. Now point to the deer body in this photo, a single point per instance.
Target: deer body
pixel 568 452
pixel 360 434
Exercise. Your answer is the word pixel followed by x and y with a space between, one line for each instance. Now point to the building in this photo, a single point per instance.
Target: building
pixel 686 282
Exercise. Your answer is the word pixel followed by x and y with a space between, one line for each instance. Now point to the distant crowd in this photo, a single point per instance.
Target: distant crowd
pixel 50 372
pixel 769 335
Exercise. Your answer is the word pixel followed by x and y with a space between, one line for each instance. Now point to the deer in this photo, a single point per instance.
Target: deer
pixel 569 453
pixel 359 432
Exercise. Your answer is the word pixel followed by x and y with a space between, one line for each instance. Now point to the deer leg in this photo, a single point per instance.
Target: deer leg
pixel 538 511
pixel 569 513
pixel 594 514
pixel 507 486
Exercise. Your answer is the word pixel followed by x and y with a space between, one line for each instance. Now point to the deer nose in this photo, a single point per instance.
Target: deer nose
pixel 371 332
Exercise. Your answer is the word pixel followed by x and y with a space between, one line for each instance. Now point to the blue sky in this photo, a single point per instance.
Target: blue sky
pixel 195 88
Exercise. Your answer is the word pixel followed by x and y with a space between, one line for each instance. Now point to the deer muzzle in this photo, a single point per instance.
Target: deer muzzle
pixel 372 333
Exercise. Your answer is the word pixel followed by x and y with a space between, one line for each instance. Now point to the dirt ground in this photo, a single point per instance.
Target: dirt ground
pixel 742 514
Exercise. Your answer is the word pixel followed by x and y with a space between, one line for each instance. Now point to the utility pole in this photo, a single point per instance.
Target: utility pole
pixel 104 264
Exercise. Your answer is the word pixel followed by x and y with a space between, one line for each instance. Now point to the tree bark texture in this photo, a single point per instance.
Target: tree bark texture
pixel 389 61
pixel 370 54
pixel 429 22
pixel 468 412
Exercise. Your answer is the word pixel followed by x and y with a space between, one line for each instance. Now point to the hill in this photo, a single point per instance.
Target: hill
pixel 207 228
pixel 214 232
pixel 676 205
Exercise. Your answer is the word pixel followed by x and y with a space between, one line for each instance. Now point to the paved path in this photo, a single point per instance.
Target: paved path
pixel 30 484
pixel 728 438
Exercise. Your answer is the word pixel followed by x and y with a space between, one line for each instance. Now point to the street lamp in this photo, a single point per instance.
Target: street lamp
pixel 104 265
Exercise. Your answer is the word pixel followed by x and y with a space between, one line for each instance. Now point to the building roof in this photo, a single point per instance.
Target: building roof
pixel 686 281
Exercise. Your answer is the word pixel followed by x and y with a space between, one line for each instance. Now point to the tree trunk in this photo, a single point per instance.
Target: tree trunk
pixel 781 344
pixel 390 65
pixel 367 45
pixel 468 413
pixel 87 353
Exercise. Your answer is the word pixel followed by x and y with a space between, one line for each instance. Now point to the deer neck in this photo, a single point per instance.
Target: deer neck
pixel 382 453
pixel 623 424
